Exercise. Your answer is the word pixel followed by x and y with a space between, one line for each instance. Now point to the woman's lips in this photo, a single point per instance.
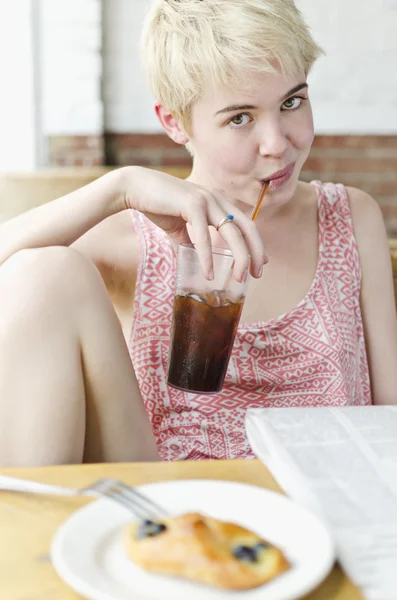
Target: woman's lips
pixel 280 177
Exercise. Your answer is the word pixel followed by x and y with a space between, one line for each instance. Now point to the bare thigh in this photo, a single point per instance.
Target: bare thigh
pixel 68 391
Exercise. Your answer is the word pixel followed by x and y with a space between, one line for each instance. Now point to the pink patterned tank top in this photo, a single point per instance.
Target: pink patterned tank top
pixel 314 355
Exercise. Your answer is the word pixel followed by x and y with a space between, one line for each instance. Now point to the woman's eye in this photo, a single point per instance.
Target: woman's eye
pixel 293 103
pixel 239 120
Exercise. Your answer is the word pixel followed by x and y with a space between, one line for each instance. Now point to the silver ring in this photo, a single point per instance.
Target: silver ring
pixel 227 219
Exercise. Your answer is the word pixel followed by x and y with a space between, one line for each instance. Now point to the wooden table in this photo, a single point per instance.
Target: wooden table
pixel 28 522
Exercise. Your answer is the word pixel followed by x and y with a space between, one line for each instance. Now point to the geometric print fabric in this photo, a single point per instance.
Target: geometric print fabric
pixel 314 355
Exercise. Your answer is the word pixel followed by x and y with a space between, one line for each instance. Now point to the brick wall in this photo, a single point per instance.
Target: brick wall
pixel 76 150
pixel 149 150
pixel 368 162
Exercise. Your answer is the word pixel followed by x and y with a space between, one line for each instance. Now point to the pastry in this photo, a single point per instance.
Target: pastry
pixel 205 550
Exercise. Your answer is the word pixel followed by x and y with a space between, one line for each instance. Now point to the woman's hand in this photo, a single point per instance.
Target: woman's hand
pixel 185 211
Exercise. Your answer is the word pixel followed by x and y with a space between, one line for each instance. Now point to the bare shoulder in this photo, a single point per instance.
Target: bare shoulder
pixel 113 247
pixel 306 192
pixel 112 243
pixel 368 223
pixel 365 210
pixel 377 299
pixel 306 200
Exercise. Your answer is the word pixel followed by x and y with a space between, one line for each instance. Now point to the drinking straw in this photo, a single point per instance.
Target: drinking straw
pixel 254 214
pixel 258 204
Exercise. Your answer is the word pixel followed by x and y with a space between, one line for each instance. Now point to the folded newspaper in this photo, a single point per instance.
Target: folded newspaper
pixel 340 463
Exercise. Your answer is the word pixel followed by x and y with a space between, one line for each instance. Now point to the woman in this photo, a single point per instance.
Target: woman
pixel 319 323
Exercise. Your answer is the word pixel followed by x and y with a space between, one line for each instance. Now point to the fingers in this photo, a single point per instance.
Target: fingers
pixel 254 244
pixel 233 237
pixel 250 234
pixel 241 234
pixel 202 239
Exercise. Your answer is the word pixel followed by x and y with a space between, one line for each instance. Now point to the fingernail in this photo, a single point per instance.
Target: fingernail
pixel 211 275
pixel 260 272
pixel 244 276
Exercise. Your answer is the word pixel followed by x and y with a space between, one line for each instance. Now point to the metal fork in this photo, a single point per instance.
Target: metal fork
pixel 140 505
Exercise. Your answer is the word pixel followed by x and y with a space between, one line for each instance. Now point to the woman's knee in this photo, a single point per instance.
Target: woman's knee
pixel 46 272
pixel 45 280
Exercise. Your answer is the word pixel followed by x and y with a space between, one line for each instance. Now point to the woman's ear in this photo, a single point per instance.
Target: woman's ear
pixel 170 125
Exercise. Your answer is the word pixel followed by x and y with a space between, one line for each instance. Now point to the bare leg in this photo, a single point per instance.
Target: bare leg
pixel 68 391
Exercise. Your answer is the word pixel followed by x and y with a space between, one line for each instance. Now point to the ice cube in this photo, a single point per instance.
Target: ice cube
pixel 194 296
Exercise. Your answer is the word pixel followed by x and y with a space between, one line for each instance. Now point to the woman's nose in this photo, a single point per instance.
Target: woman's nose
pixel 273 142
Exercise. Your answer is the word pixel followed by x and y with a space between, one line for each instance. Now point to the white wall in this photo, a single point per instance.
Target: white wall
pixel 71 66
pixel 354 88
pixel 17 98
pixel 128 105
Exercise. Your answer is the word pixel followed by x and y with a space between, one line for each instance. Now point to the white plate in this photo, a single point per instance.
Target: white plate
pixel 88 553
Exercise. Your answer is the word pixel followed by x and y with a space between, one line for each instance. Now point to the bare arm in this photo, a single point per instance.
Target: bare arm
pixel 169 202
pixel 377 296
pixel 62 221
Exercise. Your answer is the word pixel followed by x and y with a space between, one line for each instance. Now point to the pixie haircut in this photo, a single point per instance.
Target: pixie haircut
pixel 188 45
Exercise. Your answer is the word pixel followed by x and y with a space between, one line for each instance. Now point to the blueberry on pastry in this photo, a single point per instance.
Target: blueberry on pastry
pixel 205 550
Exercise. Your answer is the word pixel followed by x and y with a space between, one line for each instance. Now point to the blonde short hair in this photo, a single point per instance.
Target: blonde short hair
pixel 188 44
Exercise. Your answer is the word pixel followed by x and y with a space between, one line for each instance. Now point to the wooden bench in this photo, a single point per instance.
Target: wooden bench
pixel 393 255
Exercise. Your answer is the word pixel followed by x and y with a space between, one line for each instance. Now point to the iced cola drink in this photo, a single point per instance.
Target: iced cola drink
pixel 204 324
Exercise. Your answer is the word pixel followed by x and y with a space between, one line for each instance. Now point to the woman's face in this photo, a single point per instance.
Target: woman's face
pixel 240 139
